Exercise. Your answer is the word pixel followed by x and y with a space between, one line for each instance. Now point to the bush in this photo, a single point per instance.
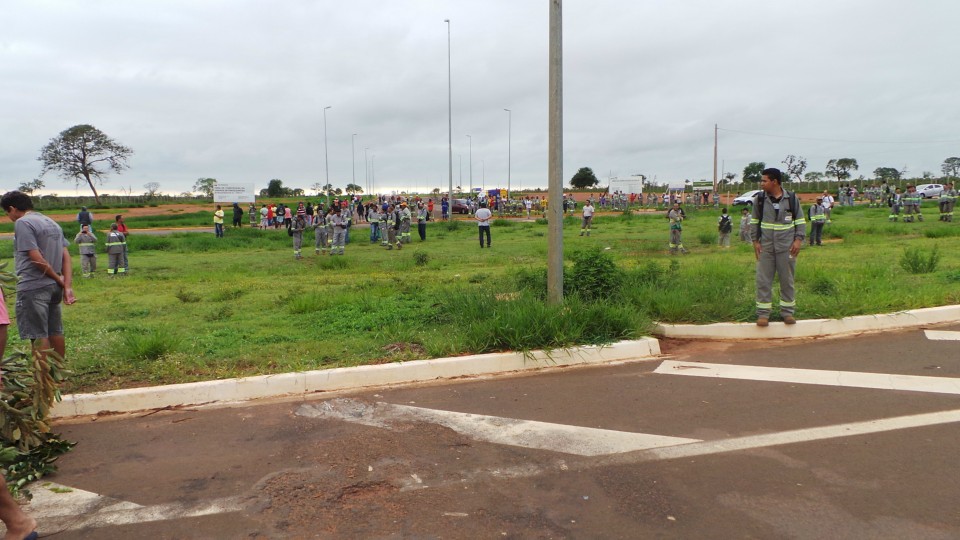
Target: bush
pixel 151 344
pixel 451 225
pixel 916 261
pixel 542 221
pixel 706 238
pixel 594 275
pixel 421 258
pixel 500 222
pixel 186 296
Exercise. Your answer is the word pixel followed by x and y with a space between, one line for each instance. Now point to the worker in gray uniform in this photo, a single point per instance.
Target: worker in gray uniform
pixel 911 205
pixel 339 224
pixel 817 216
pixel 116 244
pixel 405 217
pixel 393 226
pixel 676 216
pixel 296 231
pixel 87 241
pixel 777 230
pixel 319 232
pixel 422 221
pixel 947 201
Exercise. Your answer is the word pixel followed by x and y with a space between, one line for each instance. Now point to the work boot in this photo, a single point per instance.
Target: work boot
pixel 763 321
pixel 788 319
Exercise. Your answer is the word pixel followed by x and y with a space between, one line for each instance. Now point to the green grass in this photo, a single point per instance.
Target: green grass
pixel 196 308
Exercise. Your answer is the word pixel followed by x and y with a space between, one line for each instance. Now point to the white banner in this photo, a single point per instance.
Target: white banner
pixel 231 193
pixel 628 185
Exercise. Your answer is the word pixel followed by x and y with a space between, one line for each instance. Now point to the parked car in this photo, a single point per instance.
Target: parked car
pixel 746 198
pixel 461 206
pixel 930 190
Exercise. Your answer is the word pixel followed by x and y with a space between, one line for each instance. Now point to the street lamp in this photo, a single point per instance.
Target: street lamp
pixel 353 157
pixel 509 136
pixel 471 164
pixel 366 168
pixel 449 121
pixel 326 162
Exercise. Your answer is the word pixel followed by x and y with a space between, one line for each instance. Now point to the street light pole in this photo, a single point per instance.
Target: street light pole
pixel 555 157
pixel 509 136
pixel 449 120
pixel 353 157
pixel 366 168
pixel 326 162
pixel 471 164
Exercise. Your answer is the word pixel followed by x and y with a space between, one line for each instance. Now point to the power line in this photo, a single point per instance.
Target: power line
pixel 835 140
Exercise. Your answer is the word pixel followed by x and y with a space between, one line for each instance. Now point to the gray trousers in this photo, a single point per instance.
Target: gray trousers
pixel 391 237
pixel 339 238
pixel 675 239
pixel 297 241
pixel 88 263
pixel 783 265
pixel 725 239
pixel 320 239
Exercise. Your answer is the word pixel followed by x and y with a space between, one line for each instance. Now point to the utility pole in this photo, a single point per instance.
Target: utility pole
pixel 326 162
pixel 555 157
pixel 449 121
pixel 471 164
pixel 714 158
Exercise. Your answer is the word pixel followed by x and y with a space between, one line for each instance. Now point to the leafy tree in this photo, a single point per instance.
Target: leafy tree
pixel 795 167
pixel 436 191
pixel 353 188
pixel 297 192
pixel 886 174
pixel 204 186
pixel 338 192
pixel 753 172
pixel 840 168
pixel 584 179
pixel 327 188
pixel 83 152
pixel 31 186
pixel 728 178
pixel 813 176
pixel 275 188
pixel 153 189
pixel 951 166
pixel 317 188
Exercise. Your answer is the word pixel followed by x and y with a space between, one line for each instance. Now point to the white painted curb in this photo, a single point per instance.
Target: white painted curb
pixel 815 327
pixel 300 383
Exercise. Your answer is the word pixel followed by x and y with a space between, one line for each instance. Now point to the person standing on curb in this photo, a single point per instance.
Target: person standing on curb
pixel 676 216
pixel 122 227
pixel 817 216
pixel 87 243
pixel 778 229
pixel 725 227
pixel 483 216
pixel 115 247
pixel 587 217
pixel 218 222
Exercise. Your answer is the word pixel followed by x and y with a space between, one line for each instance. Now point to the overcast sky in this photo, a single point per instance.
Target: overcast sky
pixel 235 89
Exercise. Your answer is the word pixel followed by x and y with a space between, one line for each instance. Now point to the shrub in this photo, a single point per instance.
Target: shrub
pixel 706 238
pixel 151 344
pixel 916 261
pixel 823 285
pixel 227 294
pixel 594 275
pixel 542 221
pixel 651 273
pixel 500 222
pixel 451 225
pixel 186 296
pixel 421 258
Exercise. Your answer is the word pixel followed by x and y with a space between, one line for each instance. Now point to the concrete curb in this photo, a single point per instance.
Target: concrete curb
pixel 302 383
pixel 815 327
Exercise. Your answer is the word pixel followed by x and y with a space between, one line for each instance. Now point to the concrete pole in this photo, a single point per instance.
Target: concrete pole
pixel 714 158
pixel 509 146
pixel 449 121
pixel 471 164
pixel 353 159
pixel 555 158
pixel 326 162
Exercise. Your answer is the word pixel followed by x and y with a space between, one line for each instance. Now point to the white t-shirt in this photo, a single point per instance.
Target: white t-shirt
pixel 588 210
pixel 483 215
pixel 827 201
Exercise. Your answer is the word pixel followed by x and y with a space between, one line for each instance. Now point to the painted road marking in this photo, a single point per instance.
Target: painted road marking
pixel 719 446
pixel 581 441
pixel 851 379
pixel 942 335
pixel 59 508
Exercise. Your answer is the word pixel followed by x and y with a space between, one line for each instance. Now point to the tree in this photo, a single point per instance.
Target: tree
pixel 584 179
pixel 275 188
pixel 951 166
pixel 85 153
pixel 338 192
pixel 728 178
pixel 753 171
pixel 31 186
pixel 327 188
pixel 297 192
pixel 153 189
pixel 204 186
pixel 795 167
pixel 840 168
pixel 353 188
pixel 813 176
pixel 886 174
pixel 317 188
pixel 436 191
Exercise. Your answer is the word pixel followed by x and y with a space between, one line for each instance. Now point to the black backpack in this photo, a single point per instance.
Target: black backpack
pixel 725 224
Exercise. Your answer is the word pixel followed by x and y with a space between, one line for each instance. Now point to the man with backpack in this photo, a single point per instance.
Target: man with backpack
pixel 817 216
pixel 777 230
pixel 725 226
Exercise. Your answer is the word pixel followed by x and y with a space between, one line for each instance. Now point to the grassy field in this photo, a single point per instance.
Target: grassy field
pixel 196 308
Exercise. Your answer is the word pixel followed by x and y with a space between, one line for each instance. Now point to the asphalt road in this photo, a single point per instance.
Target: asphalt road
pixel 553 455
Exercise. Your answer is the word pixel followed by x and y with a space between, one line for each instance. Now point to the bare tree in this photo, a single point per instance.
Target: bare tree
pixel 84 153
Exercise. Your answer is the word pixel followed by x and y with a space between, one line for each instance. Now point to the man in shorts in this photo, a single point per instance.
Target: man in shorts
pixel 45 274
